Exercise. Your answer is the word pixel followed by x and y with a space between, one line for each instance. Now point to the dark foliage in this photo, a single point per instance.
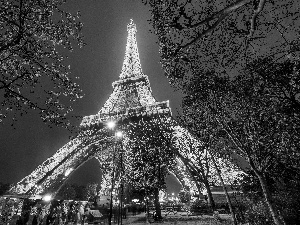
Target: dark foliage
pixel 222 35
pixel 283 184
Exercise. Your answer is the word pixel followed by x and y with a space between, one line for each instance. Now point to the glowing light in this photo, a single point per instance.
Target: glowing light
pixel 119 134
pixel 131 66
pixel 111 124
pixel 47 198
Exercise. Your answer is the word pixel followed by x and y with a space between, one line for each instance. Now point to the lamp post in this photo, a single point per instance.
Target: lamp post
pixel 47 198
pixel 118 136
pixel 111 125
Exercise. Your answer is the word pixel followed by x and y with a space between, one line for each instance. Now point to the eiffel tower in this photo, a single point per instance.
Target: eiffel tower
pixel 131 99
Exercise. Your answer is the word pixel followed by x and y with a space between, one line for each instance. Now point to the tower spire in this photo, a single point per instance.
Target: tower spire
pixel 131 65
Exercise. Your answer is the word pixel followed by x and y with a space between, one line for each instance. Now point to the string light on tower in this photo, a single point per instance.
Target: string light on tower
pixel 67 173
pixel 131 65
pixel 131 98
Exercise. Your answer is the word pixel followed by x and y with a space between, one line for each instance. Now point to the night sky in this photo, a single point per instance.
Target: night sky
pixel 29 142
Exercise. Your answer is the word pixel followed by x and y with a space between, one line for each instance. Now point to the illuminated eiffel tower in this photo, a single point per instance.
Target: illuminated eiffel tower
pixel 130 100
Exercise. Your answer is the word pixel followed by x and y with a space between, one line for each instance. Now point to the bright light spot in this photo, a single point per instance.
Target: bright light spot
pixel 111 124
pixel 47 198
pixel 119 134
pixel 67 173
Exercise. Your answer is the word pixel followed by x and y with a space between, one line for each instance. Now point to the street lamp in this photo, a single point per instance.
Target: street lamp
pixel 111 124
pixel 47 198
pixel 119 136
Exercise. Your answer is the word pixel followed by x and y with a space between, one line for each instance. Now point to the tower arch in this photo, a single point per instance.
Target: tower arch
pixel 130 102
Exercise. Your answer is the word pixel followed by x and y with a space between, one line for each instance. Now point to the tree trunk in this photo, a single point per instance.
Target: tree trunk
pixel 198 188
pixel 263 183
pixel 239 209
pixel 147 210
pixel 209 195
pixel 225 190
pixel 157 204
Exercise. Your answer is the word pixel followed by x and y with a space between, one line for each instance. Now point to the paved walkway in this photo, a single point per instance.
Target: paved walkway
pixel 178 219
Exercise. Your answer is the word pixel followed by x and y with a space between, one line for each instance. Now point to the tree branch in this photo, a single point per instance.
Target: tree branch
pixel 18 38
pixel 254 16
pixel 33 105
pixel 205 32
pixel 6 85
pixel 219 16
pixel 231 8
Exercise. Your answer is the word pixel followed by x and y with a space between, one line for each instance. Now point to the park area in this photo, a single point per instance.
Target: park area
pixel 36 211
pixel 217 141
pixel 26 211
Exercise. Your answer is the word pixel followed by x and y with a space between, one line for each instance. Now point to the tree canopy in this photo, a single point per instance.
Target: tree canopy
pixel 33 74
pixel 196 35
pixel 150 155
pixel 237 64
pixel 253 116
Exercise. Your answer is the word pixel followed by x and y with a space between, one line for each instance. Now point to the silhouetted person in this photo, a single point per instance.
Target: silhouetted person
pixel 35 220
pixel 133 210
pixel 40 218
pixel 124 212
pixel 26 217
pixel 19 221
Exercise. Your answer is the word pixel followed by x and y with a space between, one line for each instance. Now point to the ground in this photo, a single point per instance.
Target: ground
pixel 179 218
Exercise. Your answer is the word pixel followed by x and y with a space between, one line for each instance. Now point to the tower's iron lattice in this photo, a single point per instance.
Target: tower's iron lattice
pixel 131 100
